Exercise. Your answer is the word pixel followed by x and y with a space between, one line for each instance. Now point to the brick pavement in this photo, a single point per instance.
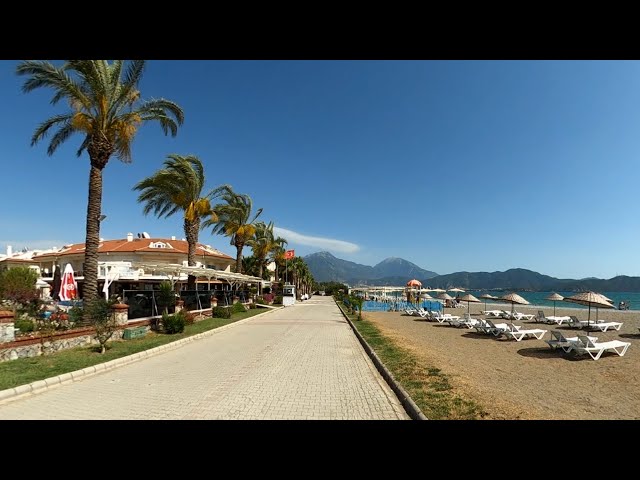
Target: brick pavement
pixel 300 362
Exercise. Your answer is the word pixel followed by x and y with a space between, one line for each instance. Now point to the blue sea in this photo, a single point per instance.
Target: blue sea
pixel 538 298
pixel 534 298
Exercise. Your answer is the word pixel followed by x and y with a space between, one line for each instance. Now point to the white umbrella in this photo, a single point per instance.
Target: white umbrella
pixel 554 297
pixel 68 284
pixel 456 289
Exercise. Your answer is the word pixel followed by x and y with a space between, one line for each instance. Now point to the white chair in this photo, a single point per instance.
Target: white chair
pixel 558 340
pixel 522 316
pixel 498 329
pixel 519 333
pixel 595 349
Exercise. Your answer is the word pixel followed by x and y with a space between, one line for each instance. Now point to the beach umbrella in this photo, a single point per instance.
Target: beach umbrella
pixel 68 285
pixel 513 298
pixel 589 298
pixel 57 277
pixel 486 297
pixel 444 296
pixel 413 285
pixel 554 297
pixel 456 289
pixel 469 298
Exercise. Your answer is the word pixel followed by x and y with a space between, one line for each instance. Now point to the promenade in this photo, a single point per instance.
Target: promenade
pixel 300 362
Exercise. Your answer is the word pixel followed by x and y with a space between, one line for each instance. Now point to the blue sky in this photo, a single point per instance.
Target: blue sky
pixel 452 165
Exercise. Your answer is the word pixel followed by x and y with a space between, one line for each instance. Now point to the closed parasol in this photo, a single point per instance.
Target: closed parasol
pixel 68 285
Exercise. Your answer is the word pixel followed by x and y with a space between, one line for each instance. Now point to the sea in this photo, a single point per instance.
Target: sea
pixel 539 298
pixel 534 298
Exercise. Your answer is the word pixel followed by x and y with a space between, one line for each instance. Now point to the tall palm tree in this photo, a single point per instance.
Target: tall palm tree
pixel 234 220
pixel 104 106
pixel 262 243
pixel 277 255
pixel 178 188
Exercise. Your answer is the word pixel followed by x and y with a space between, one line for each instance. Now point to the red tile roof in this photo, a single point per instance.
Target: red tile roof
pixel 137 245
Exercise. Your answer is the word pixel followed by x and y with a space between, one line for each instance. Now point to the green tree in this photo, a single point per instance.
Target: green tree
pixel 166 296
pixel 19 286
pixel 234 220
pixel 176 188
pixel 357 302
pixel 105 106
pixel 102 319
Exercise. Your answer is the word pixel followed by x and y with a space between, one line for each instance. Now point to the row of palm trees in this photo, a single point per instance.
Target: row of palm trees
pixel 106 108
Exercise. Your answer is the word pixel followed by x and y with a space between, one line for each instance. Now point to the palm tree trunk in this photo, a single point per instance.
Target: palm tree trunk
pixel 90 268
pixel 191 229
pixel 239 247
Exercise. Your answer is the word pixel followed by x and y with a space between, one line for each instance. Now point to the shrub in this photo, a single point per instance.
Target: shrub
pixel 238 308
pixel 173 323
pixel 221 312
pixel 75 315
pixel 278 300
pixel 189 318
pixel 252 306
pixel 25 325
pixel 99 314
pixel 261 301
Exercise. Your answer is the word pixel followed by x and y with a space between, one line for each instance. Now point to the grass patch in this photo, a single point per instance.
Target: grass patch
pixel 429 388
pixel 26 370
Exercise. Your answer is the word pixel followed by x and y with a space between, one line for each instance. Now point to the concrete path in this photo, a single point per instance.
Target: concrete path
pixel 300 362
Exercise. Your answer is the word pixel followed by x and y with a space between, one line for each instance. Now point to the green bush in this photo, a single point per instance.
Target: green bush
pixel 252 306
pixel 238 308
pixel 25 325
pixel 75 314
pixel 173 323
pixel 189 318
pixel 261 301
pixel 221 312
pixel 278 300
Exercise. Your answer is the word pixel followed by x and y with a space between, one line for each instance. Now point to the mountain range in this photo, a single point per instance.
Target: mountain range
pixel 397 271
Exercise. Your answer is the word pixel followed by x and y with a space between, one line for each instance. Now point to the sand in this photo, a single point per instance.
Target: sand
pixel 527 379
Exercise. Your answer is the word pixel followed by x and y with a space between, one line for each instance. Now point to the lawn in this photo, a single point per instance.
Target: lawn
pixel 26 370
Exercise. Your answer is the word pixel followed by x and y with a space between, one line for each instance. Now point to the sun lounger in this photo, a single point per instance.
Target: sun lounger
pixel 519 333
pixel 595 349
pixel 603 326
pixel 491 313
pixel 558 320
pixel 465 321
pixel 540 317
pixel 558 340
pixel 498 329
pixel 410 311
pixel 522 316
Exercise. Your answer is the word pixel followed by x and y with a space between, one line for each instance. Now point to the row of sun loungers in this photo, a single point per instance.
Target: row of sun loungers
pixel 579 345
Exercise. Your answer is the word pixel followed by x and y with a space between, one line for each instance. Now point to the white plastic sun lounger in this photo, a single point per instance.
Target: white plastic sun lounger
pixel 492 313
pixel 522 316
pixel 558 320
pixel 498 329
pixel 519 334
pixel 558 340
pixel 603 326
pixel 465 321
pixel 595 349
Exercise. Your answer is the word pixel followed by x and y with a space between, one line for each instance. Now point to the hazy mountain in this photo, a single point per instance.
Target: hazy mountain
pixel 396 271
pixel 326 268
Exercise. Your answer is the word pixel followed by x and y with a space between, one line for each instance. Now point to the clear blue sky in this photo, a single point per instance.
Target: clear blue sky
pixel 452 165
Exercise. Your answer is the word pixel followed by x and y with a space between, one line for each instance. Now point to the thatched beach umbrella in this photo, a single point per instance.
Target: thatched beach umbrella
pixel 589 298
pixel 514 298
pixel 469 298
pixel 554 297
pixel 486 297
pixel 445 297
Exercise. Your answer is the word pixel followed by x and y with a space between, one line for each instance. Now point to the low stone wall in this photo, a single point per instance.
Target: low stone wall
pixel 7 330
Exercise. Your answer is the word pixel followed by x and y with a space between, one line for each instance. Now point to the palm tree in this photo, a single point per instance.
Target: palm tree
pixel 277 255
pixel 262 243
pixel 233 220
pixel 107 109
pixel 178 187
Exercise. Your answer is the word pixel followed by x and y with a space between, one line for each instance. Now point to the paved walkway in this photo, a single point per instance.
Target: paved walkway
pixel 301 362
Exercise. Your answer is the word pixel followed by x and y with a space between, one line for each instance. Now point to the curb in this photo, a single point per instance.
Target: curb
pixel 69 377
pixel 407 402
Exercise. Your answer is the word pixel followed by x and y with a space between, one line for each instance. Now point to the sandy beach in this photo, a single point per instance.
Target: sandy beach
pixel 527 379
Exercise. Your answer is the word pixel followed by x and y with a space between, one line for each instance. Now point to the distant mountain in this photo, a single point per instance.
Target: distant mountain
pixel 396 271
pixel 326 268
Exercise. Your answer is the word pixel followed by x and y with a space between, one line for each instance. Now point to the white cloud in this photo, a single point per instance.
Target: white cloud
pixel 324 243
